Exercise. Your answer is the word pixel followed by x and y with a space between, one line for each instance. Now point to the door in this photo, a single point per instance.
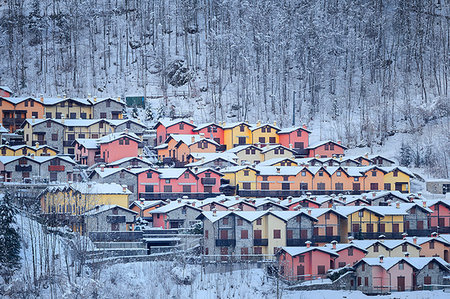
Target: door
pixel 400 283
pixel 420 225
pixel 406 225
pixel 441 222
pixel 395 228
pixel 382 228
pixel 446 256
pixel 356 187
pixel 300 272
pixel 224 234
pixel 257 234
pixel 370 227
pixel 355 228
pixel 290 234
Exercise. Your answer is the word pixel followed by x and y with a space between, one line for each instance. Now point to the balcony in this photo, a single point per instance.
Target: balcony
pixel 208 181
pixel 99 160
pixel 8 121
pixel 225 242
pixel 260 242
pixel 68 142
pixel 441 230
pixel 56 168
pixel 326 239
pixel 300 151
pixel 26 168
pixel 376 235
pixel 296 242
pixel 41 142
pixel 221 148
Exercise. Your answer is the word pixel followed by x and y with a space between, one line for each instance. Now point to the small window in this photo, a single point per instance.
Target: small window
pixel 181 126
pixel 374 173
pixel 395 173
pixel 327 147
pixel 149 175
pixel 54 137
pixel 258 221
pixel 48 115
pixel 320 173
pixel 167 181
pixel 244 234
pixel 108 103
pixel 100 125
pixel 338 173
pixel 320 269
pixel 350 251
pixel 430 266
pixel 366 281
pixel 361 214
pixel 49 124
pixel 120 141
pixel 246 172
pixel 240 222
pixel 331 147
pixel 186 175
pixel 376 248
pixel 225 220
pixel 431 244
pixel 301 258
pixel 34 114
pixel 356 179
pixel 363 267
pixel 206 234
pixel 401 266
pixel 303 173
pixel 127 141
pixel 404 247
pixel 277 234
pixel 242 128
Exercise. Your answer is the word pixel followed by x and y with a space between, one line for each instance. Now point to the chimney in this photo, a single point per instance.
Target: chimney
pixel 309 212
pixel 191 121
pixel 415 240
pixel 274 123
pixel 214 212
pixel 434 234
pixel 223 124
pixel 185 197
pixel 278 169
pixel 102 167
pixel 202 135
pixel 124 188
pixel 308 244
pixel 193 203
pixel 350 239
pixel 290 145
pixel 37 145
pixel 41 98
pixel 334 244
pixel 374 194
pixel 406 254
pixel 258 123
pixel 32 119
pixel 192 139
pixel 118 99
pixel 397 205
pixel 324 167
pixel 419 194
pixel 364 197
pixel 220 123
pixel 179 200
pixel 424 204
pixel 339 142
pixel 317 156
pixel 381 238
pixel 237 197
pixel 95 98
pixel 289 199
pixel 126 131
pixel 381 258
pixel 404 235
pixel 366 155
pixel 304 126
pixel 97 207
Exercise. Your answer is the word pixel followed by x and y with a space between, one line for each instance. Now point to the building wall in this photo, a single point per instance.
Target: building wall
pixel 401 178
pixel 217 136
pixel 320 150
pixel 271 155
pixel 127 178
pixel 215 187
pixel 231 136
pixel 292 138
pixel 398 251
pixel 326 179
pixel 370 179
pixel 438 250
pixel 249 158
pixel 99 107
pixel 437 275
pixel 114 151
pixel 99 222
pixel 344 179
pixel 61 176
pixel 65 110
pixel 350 260
pixel 305 223
pixel 367 218
pixel 256 134
pixel 188 218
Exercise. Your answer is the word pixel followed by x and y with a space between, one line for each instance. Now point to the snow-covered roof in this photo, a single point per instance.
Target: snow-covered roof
pixel 273 161
pixel 286 215
pixel 6 88
pixel 53 101
pixel 3 129
pixel 278 170
pixel 415 262
pixel 401 169
pixel 233 169
pixel 143 205
pixel 239 148
pixel 388 262
pixel 422 240
pixel 106 172
pixel 118 122
pixel 294 251
pixel 317 212
pixel 342 246
pixel 250 215
pixel 292 129
pixel 114 136
pixel 87 143
pixel 104 208
pixel 190 139
pixel 95 101
pixel 254 127
pixel 173 205
pixel 202 126
pixel 320 143
pixel 37 159
pixel 127 159
pixel 171 173
pixel 235 124
pixel 275 146
pixel 92 188
pixel 213 216
pixel 167 122
pixel 375 195
pixel 211 158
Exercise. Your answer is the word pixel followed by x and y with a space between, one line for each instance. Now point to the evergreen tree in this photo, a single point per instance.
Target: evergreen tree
pixel 9 239
pixel 405 155
pixel 148 112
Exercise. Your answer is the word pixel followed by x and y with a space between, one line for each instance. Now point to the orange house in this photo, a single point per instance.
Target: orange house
pixel 321 180
pixel 340 179
pixel 373 178
pixel 14 111
pixel 144 208
pixel 278 178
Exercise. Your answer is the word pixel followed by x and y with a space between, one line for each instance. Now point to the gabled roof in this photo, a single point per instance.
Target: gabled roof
pixel 172 173
pixel 175 205
pixel 234 169
pixel 91 188
pixel 294 251
pixel 278 170
pixel 287 215
pixel 347 210
pixel 388 262
pixel 6 88
pixel 243 147
pixel 250 215
pixel 95 101
pixel 114 136
pixel 37 159
pixel 275 146
pixel 423 240
pixel 139 170
pixel 417 263
pixel 292 129
pixel 201 170
pixel 3 129
pixel 213 216
pixel 53 101
pixel 235 124
pixel 143 205
pixel 189 139
pixel 343 246
pixel 202 126
pixel 106 172
pixel 320 143
pixel 167 122
pixel 389 244
pixel 118 122
pixel 273 161
pixel 104 208
pixel 254 127
pixel 401 169
pixel 127 159
pixel 372 157
pixel 375 195
pixel 211 158
pixel 317 212
pixel 87 143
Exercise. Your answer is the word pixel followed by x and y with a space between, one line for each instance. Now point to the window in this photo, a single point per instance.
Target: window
pixel 431 245
pixel 34 114
pixel 55 137
pixel 167 188
pixel 26 103
pixel 430 266
pixel 303 173
pixel 350 251
pixel 277 234
pixel 71 129
pixel 339 186
pixel 265 186
pixel 262 140
pixel 373 186
pixel 301 259
pixel 331 147
pixel 247 151
pixel 359 281
pixel 128 125
pixel 149 175
pixel 63 104
pixel 184 210
pixel 72 115
pixel 341 264
pixel 71 151
pixel 363 267
pixel 186 175
pixel 299 133
pixel 48 115
pixel 246 172
pixel 395 173
pixel 58 115
pixel 387 186
pixel 320 186
pixel 404 247
pixel 321 269
pixel 401 266
pixel 366 281
pixel 320 173
pixel 263 130
pixel 102 114
pixel 258 221
pixel 327 147
pixel 108 103
pixel 181 126
pixel 374 173
pixel 71 137
pixel 100 125
pixel 427 280
pixel 3 151
pixel 24 151
pixel 149 188
pixel 272 140
pixel 242 128
pixel 83 115
pixel 127 141
pixel 282 151
pixel 186 188
pixel 356 179
pixel 206 234
pixel 122 175
pixel 360 214
pixel 244 234
pixel 327 216
pixel 257 250
pixel 376 248
pixel 338 173
pixel 240 222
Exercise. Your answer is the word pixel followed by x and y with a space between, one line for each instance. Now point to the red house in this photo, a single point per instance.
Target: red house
pixel 349 253
pixel 305 263
pixel 326 149
pixel 166 127
pixel 116 146
pixel 439 220
pixel 148 182
pixel 211 131
pixel 297 137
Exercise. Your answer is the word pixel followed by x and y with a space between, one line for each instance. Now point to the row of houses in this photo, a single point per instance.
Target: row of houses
pixel 14 111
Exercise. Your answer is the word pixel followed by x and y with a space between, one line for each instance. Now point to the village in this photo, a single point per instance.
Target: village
pixel 229 192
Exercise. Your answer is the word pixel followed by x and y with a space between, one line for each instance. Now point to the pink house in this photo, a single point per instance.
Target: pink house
pixel 326 149
pixel 117 146
pixel 297 137
pixel 305 263
pixel 384 274
pixel 211 131
pixel 166 127
pixel 5 92
pixel 148 181
pixel 209 180
pixel 178 180
pixel 440 216
pixel 349 254
pixel 87 151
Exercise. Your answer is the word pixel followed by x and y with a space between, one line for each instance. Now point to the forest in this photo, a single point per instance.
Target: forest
pixel 361 71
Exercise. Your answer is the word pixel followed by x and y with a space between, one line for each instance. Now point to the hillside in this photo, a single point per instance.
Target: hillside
pixel 359 71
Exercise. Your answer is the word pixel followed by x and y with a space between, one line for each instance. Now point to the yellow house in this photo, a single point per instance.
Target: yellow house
pixel 388 248
pixel 265 134
pixel 397 178
pixel 392 222
pixel 269 233
pixel 236 134
pixel 276 152
pixel 243 177
pixel 75 199
pixel 361 221
pixel 279 162
pixel 247 154
pixel 69 108
pixel 25 150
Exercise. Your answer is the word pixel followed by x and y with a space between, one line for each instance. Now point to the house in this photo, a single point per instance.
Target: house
pixel 165 127
pixel 116 146
pixel 148 182
pixel 126 177
pixel 274 178
pixel 438 186
pixel 211 160
pixel 25 150
pixel 428 271
pixel 390 248
pixel 69 108
pixel 29 168
pixel 211 131
pixel 298 137
pixel 243 177
pixel 383 198
pixel 246 154
pixel 5 92
pixel 14 111
pixel 397 178
pixel 322 178
pixel 143 208
pixel 229 234
pixel 177 214
pixel 361 221
pixel 236 134
pixel 264 204
pixel 349 253
pixel 276 151
pixel 131 125
pixel 87 151
pixel 77 198
pixel 326 149
pixel 208 180
pixel 440 215
pixel 381 161
pixel 434 246
pixel 330 226
pixel 373 178
pixel 264 134
pixel 306 262
pixel 380 275
pixel 299 226
pixel 108 218
pixel 107 108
